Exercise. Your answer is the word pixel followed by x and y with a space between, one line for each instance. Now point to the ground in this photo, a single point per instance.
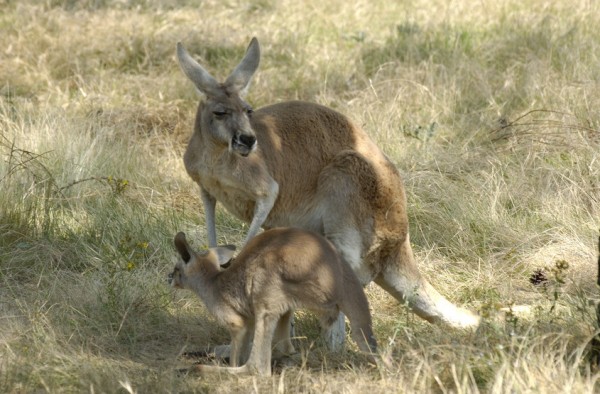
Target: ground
pixel 489 110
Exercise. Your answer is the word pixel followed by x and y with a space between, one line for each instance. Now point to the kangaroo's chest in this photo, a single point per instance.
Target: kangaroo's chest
pixel 237 183
pixel 224 178
pixel 235 199
pixel 241 203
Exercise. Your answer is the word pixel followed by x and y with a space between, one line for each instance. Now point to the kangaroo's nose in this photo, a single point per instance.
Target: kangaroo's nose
pixel 243 144
pixel 247 140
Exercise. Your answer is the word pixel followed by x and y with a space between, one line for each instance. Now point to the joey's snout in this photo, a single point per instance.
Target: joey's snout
pixel 243 143
pixel 174 279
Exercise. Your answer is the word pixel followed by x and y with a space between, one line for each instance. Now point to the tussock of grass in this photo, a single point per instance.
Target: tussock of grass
pixel 488 109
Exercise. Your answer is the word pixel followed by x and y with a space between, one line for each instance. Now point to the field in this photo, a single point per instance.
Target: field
pixel 490 110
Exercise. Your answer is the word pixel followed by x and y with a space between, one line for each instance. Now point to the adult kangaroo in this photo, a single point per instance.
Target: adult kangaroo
pixel 305 165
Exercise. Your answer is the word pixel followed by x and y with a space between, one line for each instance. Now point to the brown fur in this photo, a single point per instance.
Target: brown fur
pixel 310 167
pixel 278 271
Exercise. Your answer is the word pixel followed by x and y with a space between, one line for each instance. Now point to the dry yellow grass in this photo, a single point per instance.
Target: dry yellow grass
pixel 489 109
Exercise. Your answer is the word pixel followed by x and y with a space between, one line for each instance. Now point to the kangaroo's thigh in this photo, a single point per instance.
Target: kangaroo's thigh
pixel 347 217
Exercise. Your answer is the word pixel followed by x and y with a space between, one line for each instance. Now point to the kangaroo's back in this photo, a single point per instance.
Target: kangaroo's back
pixel 297 133
pixel 300 142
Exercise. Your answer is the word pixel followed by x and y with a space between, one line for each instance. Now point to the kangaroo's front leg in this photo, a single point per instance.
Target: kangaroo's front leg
pixel 263 207
pixel 209 203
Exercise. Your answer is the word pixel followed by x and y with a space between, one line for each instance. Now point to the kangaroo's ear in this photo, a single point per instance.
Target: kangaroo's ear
pixel 224 253
pixel 239 80
pixel 183 247
pixel 204 82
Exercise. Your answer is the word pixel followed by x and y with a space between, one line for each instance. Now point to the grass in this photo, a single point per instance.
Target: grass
pixel 489 110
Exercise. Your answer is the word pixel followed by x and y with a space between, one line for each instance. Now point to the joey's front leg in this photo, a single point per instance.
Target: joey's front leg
pixel 238 339
pixel 282 340
pixel 209 203
pixel 263 207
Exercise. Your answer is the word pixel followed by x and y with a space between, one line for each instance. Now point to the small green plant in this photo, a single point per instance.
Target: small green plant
pixel 559 271
pixel 118 298
pixel 421 133
pixel 117 185
pixel 511 319
pixel 552 289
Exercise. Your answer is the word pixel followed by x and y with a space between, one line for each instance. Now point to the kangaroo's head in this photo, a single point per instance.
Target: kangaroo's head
pixel 225 116
pixel 194 267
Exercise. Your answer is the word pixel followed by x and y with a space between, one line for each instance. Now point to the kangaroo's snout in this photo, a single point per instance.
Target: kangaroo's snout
pixel 243 143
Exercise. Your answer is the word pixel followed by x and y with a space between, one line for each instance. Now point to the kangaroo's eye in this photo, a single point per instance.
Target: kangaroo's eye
pixel 249 111
pixel 219 114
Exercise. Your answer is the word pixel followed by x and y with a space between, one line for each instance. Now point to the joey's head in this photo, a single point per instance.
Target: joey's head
pixel 193 266
pixel 224 116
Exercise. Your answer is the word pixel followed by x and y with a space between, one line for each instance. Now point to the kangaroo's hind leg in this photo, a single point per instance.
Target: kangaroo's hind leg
pixel 401 279
pixel 346 223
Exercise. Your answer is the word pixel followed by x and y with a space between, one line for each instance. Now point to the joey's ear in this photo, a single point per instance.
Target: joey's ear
pixel 240 78
pixel 204 82
pixel 183 247
pixel 224 253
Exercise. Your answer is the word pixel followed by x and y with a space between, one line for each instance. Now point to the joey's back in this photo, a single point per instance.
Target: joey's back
pixel 286 262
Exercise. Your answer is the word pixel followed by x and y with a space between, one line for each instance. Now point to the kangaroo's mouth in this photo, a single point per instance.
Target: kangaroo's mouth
pixel 243 144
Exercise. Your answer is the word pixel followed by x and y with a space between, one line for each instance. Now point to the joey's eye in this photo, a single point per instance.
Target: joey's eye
pixel 249 111
pixel 219 114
